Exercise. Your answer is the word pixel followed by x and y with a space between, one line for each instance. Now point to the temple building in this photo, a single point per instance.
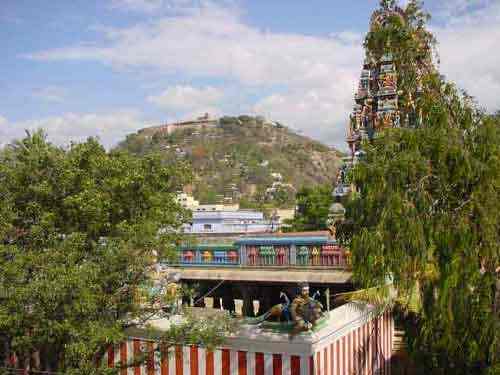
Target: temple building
pixel 282 286
pixel 381 100
pixel 376 99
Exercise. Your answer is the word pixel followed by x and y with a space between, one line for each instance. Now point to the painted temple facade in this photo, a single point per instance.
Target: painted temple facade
pixel 376 99
pixel 378 102
pixel 352 341
pixel 302 250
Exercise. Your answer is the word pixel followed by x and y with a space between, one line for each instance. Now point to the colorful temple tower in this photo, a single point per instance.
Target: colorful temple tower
pixel 376 100
pixel 389 87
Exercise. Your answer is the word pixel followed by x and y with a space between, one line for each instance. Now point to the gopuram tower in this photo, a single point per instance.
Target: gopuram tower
pixel 376 100
pixel 389 85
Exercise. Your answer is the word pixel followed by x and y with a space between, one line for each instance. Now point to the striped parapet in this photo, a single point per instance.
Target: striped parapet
pixel 354 340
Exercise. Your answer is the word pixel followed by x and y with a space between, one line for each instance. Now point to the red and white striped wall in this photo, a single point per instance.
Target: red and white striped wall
pixel 362 348
pixel 366 349
pixel 193 360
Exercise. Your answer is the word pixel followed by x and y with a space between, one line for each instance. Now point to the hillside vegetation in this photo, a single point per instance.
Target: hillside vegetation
pixel 241 158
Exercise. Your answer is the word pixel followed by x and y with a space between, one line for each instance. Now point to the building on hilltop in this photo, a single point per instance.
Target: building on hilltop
pixel 222 219
pixel 202 122
pixel 228 222
pixel 187 201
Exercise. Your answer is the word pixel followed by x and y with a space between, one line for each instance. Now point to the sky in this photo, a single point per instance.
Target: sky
pixel 107 68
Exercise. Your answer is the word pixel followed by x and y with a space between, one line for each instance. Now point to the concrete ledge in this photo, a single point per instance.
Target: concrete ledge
pixel 283 275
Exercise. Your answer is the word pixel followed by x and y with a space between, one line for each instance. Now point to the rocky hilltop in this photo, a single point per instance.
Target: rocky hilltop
pixel 241 159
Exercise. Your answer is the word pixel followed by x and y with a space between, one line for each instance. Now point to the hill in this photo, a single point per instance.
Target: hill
pixel 242 159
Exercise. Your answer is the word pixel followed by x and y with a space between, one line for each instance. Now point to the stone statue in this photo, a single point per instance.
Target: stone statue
pixel 389 81
pixel 281 311
pixel 305 311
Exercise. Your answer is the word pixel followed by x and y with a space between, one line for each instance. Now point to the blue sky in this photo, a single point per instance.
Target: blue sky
pixel 109 67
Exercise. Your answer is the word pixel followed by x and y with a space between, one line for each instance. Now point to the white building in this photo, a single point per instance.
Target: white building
pixel 220 222
pixel 187 201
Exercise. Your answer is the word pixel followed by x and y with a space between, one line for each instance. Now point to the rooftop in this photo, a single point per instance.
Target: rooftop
pixel 260 338
pixel 296 238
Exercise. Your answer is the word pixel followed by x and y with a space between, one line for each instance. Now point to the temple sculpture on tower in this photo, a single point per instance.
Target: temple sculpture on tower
pixel 376 100
pixel 386 96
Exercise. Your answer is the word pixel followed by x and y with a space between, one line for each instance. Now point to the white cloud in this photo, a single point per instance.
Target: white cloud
pixel 187 98
pixel 3 130
pixel 449 9
pixel 146 6
pixel 155 6
pixel 108 127
pixel 51 94
pixel 319 113
pixel 468 47
pixel 214 42
pixel 309 80
pixel 349 37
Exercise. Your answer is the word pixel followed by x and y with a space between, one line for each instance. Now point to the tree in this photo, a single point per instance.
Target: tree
pixel 426 211
pixel 80 229
pixel 283 196
pixel 313 205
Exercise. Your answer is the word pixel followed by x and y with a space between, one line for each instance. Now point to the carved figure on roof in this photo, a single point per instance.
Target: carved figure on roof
pixel 380 17
pixel 283 308
pixel 279 312
pixel 357 117
pixel 341 175
pixel 397 120
pixel 170 298
pixel 385 120
pixel 305 311
pixel 389 81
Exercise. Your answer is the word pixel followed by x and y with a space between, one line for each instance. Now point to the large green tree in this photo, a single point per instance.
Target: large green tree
pixel 80 229
pixel 427 208
pixel 313 205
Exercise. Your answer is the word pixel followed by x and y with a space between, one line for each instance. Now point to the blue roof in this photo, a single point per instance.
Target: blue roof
pixel 207 247
pixel 309 240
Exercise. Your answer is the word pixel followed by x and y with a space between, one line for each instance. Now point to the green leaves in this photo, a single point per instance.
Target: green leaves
pixel 427 210
pixel 427 215
pixel 313 205
pixel 80 229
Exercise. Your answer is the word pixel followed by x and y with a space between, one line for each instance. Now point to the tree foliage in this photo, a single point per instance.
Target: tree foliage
pixel 80 229
pixel 426 210
pixel 313 205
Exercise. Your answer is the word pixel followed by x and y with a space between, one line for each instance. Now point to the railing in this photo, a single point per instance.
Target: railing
pixel 327 255
pixel 208 257
pixel 268 256
pixel 261 256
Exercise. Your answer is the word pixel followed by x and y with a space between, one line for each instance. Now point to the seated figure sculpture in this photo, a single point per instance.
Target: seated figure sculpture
pixel 305 311
pixel 279 312
pixel 301 315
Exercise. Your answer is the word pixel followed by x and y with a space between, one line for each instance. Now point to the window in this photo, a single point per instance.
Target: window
pixel 207 227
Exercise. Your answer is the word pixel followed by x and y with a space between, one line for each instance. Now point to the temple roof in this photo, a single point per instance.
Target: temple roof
pixel 291 238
